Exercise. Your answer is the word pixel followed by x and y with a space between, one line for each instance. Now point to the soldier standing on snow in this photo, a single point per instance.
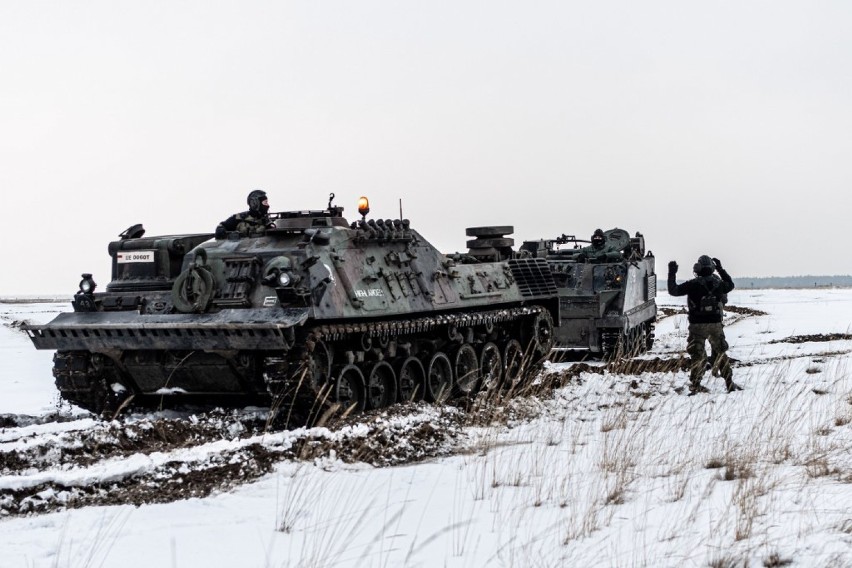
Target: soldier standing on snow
pixel 251 223
pixel 705 294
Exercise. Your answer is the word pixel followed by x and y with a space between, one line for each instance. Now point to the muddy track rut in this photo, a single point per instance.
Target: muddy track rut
pixel 60 465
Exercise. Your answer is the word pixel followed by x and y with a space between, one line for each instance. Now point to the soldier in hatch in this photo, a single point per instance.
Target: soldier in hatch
pixel 599 250
pixel 251 223
pixel 705 294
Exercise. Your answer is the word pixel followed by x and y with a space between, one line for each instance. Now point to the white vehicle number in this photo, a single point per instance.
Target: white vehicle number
pixel 370 293
pixel 134 256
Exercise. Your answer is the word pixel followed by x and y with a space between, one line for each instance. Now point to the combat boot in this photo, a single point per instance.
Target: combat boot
pixel 712 366
pixel 695 388
pixel 732 386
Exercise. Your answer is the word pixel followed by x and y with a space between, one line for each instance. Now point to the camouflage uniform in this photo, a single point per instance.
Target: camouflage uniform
pixel 705 327
pixel 714 333
pixel 246 224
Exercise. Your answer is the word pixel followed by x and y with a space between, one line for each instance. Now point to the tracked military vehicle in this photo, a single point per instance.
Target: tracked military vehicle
pixel 316 311
pixel 606 294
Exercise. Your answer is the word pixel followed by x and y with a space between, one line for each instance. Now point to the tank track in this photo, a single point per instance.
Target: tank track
pixel 366 343
pixel 396 328
pixel 86 379
pixel 79 381
pixel 637 340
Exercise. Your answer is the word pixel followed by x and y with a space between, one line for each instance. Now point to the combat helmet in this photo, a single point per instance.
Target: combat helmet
pixel 255 202
pixel 705 266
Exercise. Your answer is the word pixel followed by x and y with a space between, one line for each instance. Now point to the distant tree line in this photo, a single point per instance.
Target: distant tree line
pixel 842 281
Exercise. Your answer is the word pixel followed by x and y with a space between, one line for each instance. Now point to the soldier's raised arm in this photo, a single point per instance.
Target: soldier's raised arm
pixel 727 281
pixel 674 288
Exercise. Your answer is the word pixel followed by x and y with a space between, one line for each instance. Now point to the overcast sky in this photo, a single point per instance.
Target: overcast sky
pixel 721 128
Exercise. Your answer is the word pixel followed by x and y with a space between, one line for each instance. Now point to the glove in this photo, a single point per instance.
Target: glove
pixel 221 233
pixel 672 266
pixel 718 263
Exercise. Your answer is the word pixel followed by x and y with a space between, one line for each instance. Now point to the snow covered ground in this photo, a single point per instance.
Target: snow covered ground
pixel 613 469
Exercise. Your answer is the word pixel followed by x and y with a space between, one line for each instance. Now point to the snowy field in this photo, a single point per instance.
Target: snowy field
pixel 612 469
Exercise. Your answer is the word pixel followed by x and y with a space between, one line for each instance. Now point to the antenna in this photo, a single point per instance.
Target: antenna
pixel 400 208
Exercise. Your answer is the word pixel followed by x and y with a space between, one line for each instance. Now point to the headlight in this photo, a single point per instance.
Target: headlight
pixel 283 279
pixel 87 285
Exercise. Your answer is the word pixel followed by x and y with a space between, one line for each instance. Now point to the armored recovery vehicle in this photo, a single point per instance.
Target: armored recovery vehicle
pixel 317 310
pixel 607 297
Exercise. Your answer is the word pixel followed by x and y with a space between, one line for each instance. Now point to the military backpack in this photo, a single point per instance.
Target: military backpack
pixel 710 303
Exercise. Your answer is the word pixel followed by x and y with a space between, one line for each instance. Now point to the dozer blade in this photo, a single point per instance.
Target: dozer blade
pixel 262 329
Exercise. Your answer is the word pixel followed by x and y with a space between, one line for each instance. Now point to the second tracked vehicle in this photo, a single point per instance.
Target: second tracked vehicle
pixel 607 297
pixel 317 310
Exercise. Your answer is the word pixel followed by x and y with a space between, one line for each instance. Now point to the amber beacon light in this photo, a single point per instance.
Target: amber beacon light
pixel 363 206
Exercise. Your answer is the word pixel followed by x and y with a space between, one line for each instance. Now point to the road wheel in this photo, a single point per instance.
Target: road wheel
pixel 513 361
pixel 318 364
pixel 439 378
pixel 539 335
pixel 491 366
pixel 349 389
pixel 466 370
pixel 381 386
pixel 411 378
